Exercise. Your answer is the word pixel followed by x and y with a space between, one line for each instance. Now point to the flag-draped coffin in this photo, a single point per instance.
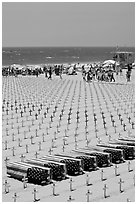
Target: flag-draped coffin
pixel 89 163
pixel 103 159
pixel 73 166
pixel 58 169
pixel 129 143
pixel 35 174
pixel 117 155
pixel 129 151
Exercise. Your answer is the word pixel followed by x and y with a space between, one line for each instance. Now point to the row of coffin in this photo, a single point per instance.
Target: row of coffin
pixel 59 166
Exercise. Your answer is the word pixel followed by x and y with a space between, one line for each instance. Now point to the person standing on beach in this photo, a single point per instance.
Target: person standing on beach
pixel 45 70
pixel 50 73
pixel 128 74
pixel 89 77
pixel 60 71
pixel 37 72
pixel 83 73
pixel 120 69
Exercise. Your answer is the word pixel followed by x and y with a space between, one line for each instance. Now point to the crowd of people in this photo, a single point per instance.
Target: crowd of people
pixel 89 71
pixel 50 70
pixel 98 73
pixel 107 74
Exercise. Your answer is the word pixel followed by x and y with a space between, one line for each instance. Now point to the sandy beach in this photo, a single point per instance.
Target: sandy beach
pixel 19 124
pixel 68 101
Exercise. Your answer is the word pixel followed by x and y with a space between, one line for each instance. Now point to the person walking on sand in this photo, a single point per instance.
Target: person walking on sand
pixel 112 76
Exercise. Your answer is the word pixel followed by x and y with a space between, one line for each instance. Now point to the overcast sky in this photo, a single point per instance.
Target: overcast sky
pixel 68 24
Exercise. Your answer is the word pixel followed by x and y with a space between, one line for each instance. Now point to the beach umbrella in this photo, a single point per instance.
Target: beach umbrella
pixel 17 66
pixel 105 65
pixel 109 62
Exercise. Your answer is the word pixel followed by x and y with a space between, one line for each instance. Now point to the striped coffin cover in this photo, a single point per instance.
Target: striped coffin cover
pixel 35 174
pixel 73 166
pixel 127 139
pixel 17 171
pixel 129 151
pixel 103 159
pixel 58 170
pixel 117 155
pixel 124 142
pixel 89 163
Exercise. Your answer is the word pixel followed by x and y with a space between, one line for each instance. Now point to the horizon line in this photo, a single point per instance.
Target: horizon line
pixel 69 46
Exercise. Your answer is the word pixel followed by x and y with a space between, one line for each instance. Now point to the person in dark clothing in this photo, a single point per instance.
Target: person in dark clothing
pixel 109 74
pixel 120 71
pixel 46 72
pixel 37 72
pixel 60 72
pixel 89 76
pixel 129 67
pixel 57 70
pixel 128 74
pixel 112 76
pixel 50 73
pixel 103 75
pixel 84 75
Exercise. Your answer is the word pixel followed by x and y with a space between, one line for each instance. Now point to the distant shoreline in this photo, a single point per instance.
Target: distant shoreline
pixel 52 63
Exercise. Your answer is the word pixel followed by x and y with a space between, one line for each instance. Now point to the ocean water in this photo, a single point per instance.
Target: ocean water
pixel 47 55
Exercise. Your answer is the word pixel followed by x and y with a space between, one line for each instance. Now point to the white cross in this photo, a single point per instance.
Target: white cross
pixel 22 157
pixel 87 180
pixel 120 185
pixel 6 145
pixel 54 185
pixel 13 152
pixel 102 175
pixel 129 166
pixel 116 168
pixel 71 188
pixel 88 193
pixel 6 184
pixel 105 190
pixel 39 146
pixel 35 195
pixel 15 197
pixel 70 199
pixel 25 180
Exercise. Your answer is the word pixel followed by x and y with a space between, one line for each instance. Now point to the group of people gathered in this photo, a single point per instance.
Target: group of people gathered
pixel 50 70
pixel 99 74
pixel 90 72
pixel 106 74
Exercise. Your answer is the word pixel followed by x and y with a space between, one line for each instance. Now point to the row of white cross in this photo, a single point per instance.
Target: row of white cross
pixel 77 113
pixel 88 183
